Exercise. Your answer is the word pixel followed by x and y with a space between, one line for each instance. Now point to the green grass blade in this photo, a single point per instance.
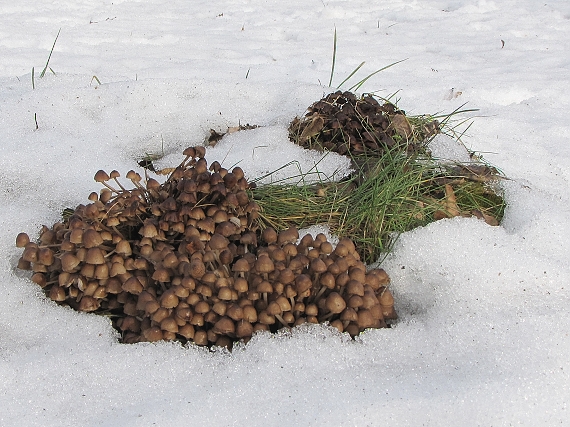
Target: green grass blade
pixel 351 74
pixel 361 82
pixel 333 58
pixel 49 57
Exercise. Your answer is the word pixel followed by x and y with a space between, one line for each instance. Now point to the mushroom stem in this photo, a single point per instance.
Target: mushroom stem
pixel 278 317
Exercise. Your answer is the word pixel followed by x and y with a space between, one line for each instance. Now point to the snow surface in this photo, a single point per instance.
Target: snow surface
pixel 484 311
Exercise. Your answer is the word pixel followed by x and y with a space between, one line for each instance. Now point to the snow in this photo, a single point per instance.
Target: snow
pixel 483 332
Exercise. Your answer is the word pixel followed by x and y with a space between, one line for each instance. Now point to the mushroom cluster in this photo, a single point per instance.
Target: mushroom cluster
pixel 184 260
pixel 347 124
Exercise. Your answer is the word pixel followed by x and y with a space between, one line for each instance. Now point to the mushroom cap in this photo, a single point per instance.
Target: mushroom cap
pixel 196 269
pixel 123 248
pixel 274 308
pixel 311 310
pixel 286 276
pixel 264 287
pixel 349 315
pixel 169 324
pixel 46 256
pixel 101 176
pixel 69 262
pixel 133 285
pixel 91 238
pixel 22 239
pixel 358 274
pixel 386 298
pixel 190 152
pixel 241 285
pixel 355 301
pixel 244 329
pixel 201 337
pixel 169 299
pixel 289 235
pixel 326 248
pixel 317 266
pixel 249 238
pixel 269 235
pixel 264 265
pixel 335 303
pixel 152 334
pixel 202 307
pixel 161 275
pixel 249 313
pixel 102 271
pixel 235 312
pixel 354 287
pixel 225 294
pixel 366 320
pixel 218 242
pixel 88 304
pixel 224 326
pixel 226 228
pixel 187 331
pixel 57 293
pixel 148 230
pixel 241 266
pixel 302 283
pixel 283 303
pixel 95 256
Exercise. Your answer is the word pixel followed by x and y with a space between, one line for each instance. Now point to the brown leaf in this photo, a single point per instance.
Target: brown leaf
pixel 313 127
pixel 401 125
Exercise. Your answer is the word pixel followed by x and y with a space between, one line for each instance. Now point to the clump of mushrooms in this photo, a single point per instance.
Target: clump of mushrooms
pixel 185 260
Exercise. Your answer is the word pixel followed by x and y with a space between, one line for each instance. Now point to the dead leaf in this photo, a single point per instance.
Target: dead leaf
pixel 401 125
pixel 451 201
pixel 313 127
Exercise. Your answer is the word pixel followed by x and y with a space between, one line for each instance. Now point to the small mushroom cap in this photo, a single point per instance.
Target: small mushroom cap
pixel 95 256
pixel 311 310
pixel 349 315
pixel 264 287
pixel 169 299
pixel 354 287
pixel 366 320
pixel 386 298
pixel 123 248
pixel 264 265
pixel 244 329
pixel 88 304
pixel 241 285
pixel 235 312
pixel 335 303
pixel 46 256
pixel 286 276
pixel 241 266
pixel 288 236
pixel 201 337
pixel 169 324
pixel 224 326
pixel 269 235
pixel 133 285
pixel 218 242
pixel 302 283
pixel 153 334
pixel 91 238
pixel 22 239
pixel 318 266
pixel 69 262
pixel 161 275
pixel 57 293
pixel 101 176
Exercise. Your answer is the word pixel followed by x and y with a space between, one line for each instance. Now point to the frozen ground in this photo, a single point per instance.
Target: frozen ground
pixel 483 334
